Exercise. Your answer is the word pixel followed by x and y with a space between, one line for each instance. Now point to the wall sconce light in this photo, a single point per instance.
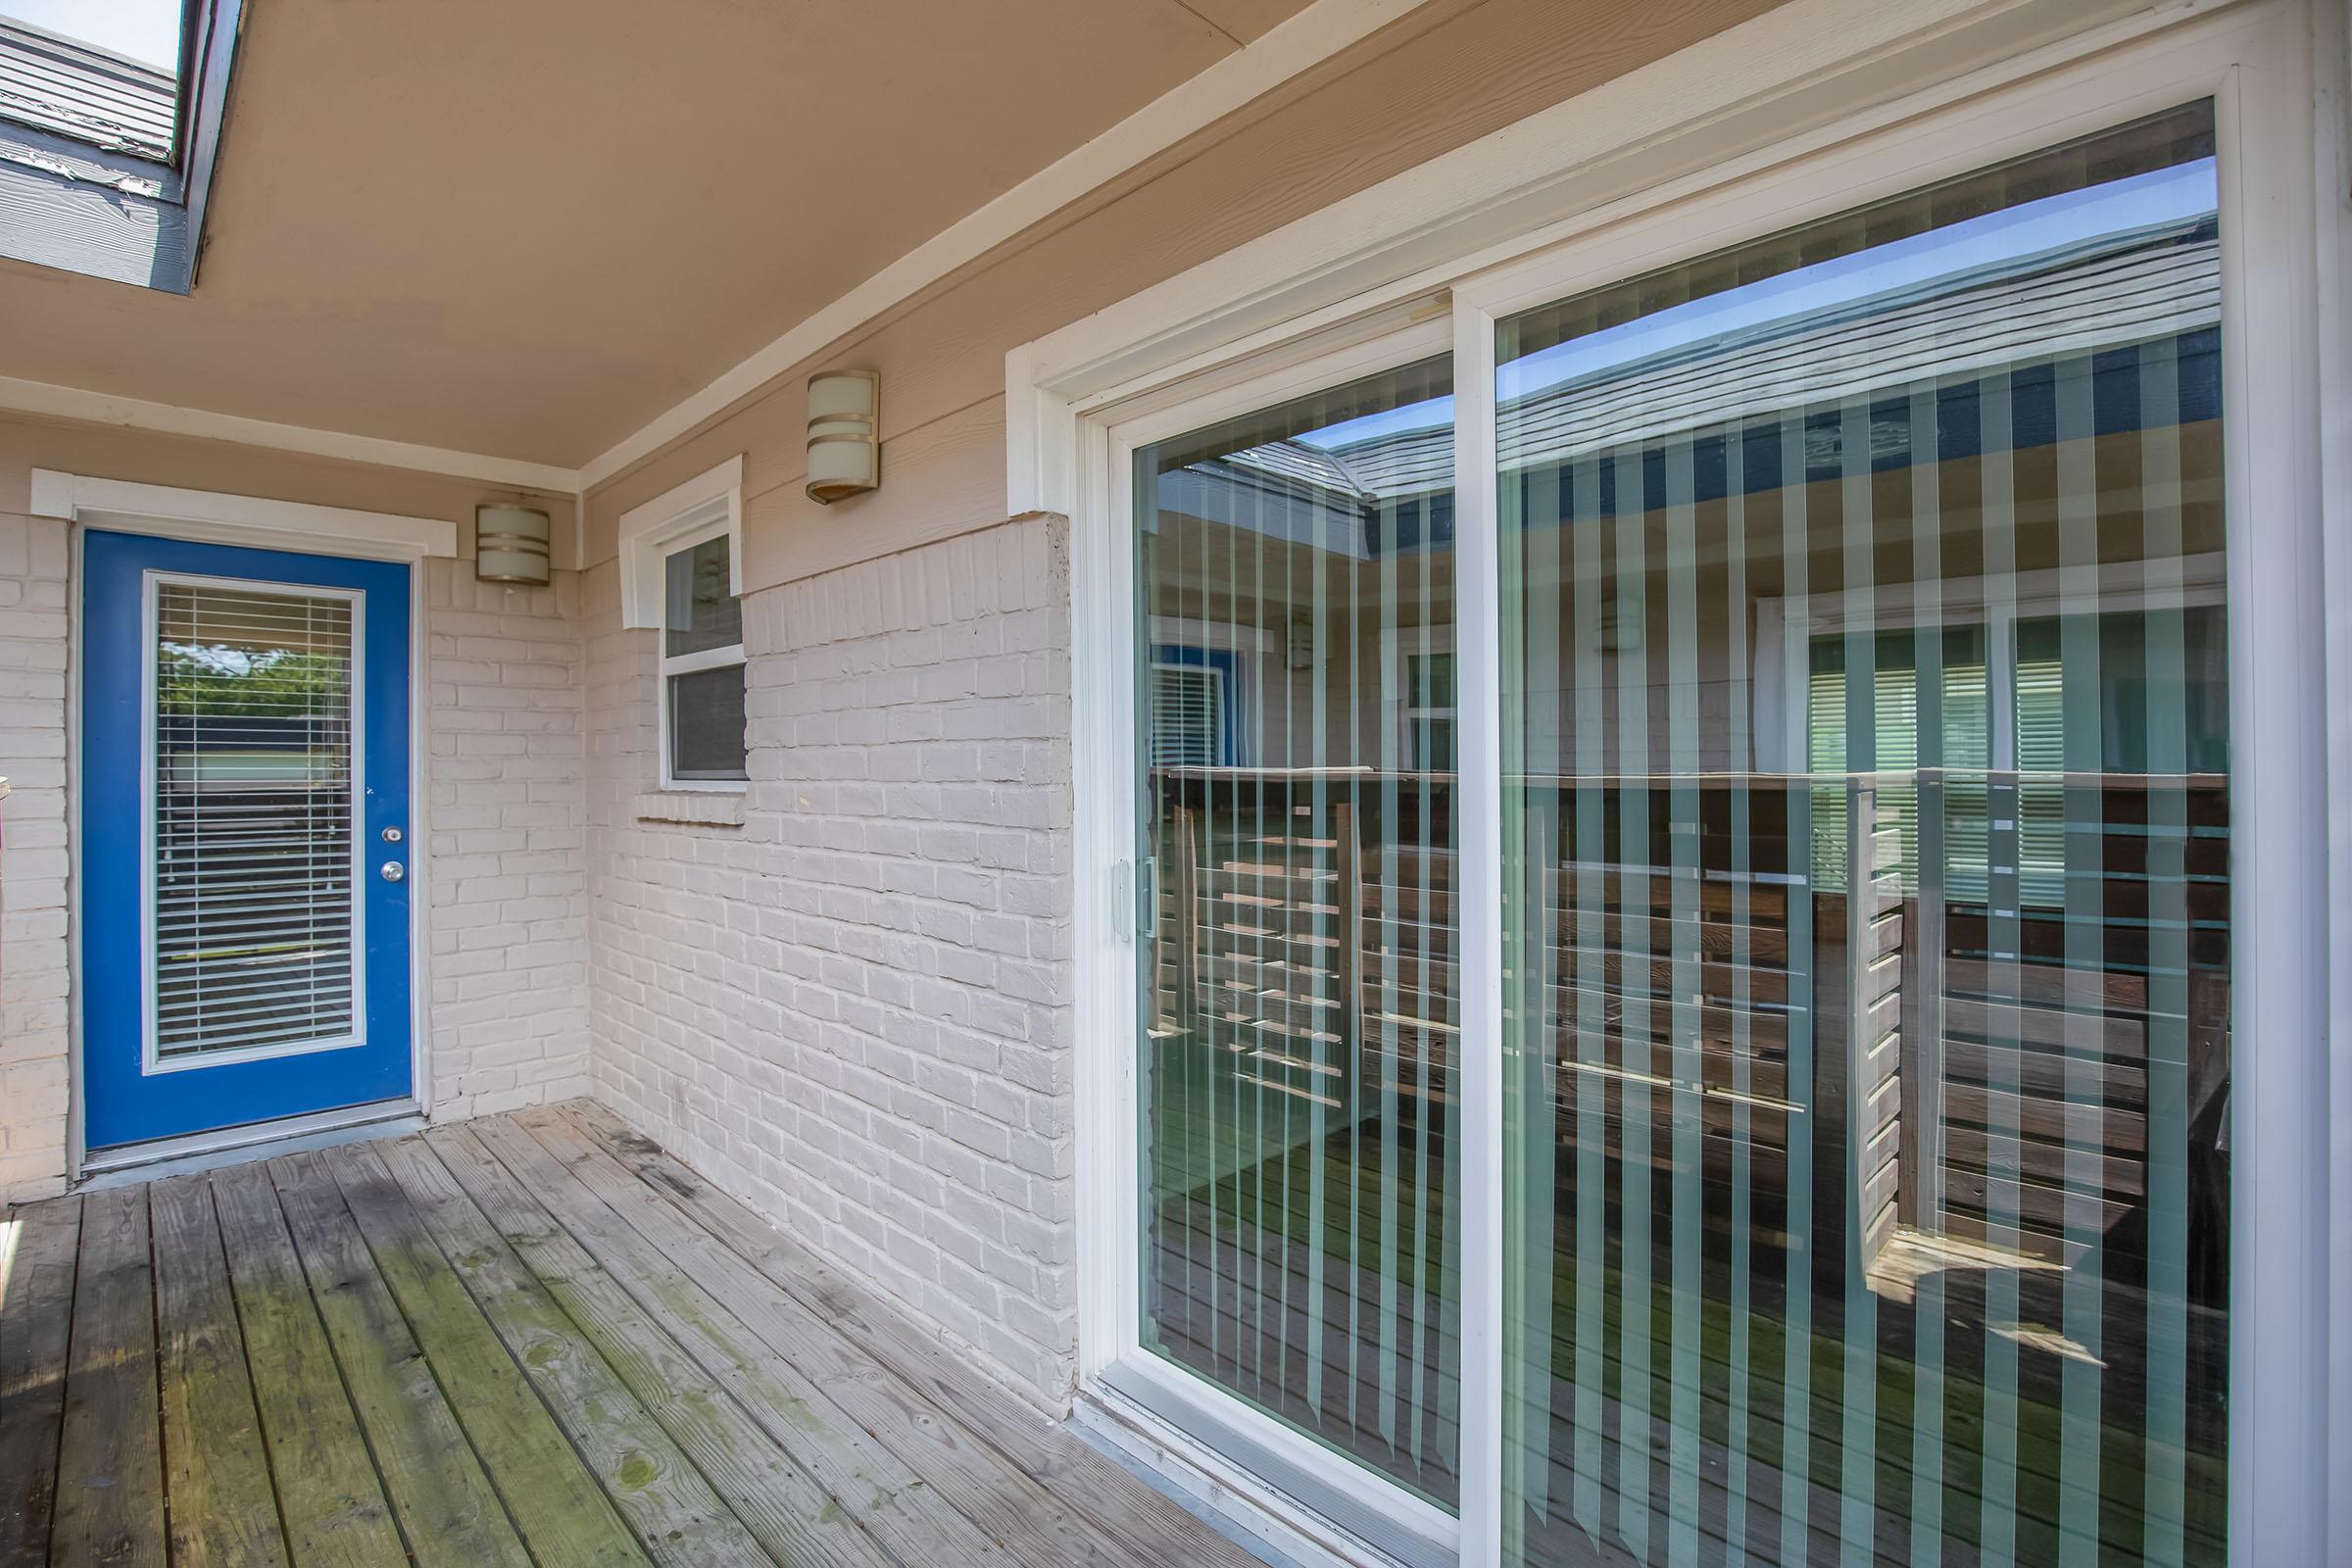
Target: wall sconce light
pixel 510 544
pixel 845 454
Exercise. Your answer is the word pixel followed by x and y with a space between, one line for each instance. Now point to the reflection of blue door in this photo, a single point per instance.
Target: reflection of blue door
pixel 245 947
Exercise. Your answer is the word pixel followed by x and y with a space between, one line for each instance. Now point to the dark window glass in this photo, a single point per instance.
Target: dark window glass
pixel 706 724
pixel 701 612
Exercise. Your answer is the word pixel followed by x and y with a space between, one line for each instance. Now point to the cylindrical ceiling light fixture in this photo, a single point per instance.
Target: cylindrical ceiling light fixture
pixel 845 453
pixel 510 544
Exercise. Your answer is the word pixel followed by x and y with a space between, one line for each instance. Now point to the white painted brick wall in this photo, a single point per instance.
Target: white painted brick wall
pixel 505 853
pixel 33 954
pixel 505 776
pixel 853 1009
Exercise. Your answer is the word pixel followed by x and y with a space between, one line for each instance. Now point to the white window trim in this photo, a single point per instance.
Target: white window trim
pixel 1727 141
pixel 709 505
pixel 211 518
pixel 729 657
pixel 1370 1513
pixel 706 506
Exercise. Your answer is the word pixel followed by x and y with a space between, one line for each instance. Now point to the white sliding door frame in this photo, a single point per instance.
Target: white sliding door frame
pixel 1361 1502
pixel 1357 282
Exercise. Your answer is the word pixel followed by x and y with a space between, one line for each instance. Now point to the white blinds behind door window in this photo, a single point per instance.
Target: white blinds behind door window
pixel 1187 716
pixel 253 821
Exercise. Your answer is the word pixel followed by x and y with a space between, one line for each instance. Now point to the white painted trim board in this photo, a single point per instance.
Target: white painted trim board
pixel 217 518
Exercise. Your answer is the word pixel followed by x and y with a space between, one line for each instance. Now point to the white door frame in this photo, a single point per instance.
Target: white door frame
pixel 1430 243
pixel 207 516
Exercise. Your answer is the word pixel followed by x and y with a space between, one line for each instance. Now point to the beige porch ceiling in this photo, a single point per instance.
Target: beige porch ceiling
pixel 526 228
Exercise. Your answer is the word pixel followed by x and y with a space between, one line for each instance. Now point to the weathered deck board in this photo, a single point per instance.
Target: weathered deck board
pixel 506 1343
pixel 975 1480
pixel 36 1315
pixel 658 1488
pixel 1076 1472
pixel 328 1492
pixel 869 1481
pixel 444 1502
pixel 794 1517
pixel 547 1489
pixel 110 1465
pixel 222 1511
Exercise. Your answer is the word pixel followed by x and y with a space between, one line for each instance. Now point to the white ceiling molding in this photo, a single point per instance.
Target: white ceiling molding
pixel 1303 41
pixel 167 419
pixel 217 518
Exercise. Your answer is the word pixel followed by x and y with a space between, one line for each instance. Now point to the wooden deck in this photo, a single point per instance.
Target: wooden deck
pixel 530 1339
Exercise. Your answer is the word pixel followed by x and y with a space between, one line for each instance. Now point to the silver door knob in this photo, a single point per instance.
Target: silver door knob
pixel 392 835
pixel 392 870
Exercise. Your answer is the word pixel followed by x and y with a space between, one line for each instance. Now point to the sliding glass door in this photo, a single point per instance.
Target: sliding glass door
pixel 1866 727
pixel 1300 1014
pixel 1865 1047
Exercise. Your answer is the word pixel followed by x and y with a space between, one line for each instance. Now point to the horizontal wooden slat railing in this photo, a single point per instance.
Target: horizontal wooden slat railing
pixel 2053 1001
pixel 1307 927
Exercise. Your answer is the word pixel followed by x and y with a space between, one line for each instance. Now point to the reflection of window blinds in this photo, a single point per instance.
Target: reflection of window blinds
pixel 2041 751
pixel 1967 753
pixel 1894 686
pixel 1825 752
pixel 1897 696
pixel 253 902
pixel 1187 715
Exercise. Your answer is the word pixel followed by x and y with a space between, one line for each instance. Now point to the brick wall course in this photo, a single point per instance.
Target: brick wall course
pixel 854 1010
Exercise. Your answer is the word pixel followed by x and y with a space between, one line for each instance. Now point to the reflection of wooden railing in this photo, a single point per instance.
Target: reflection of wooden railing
pixel 1307 929
pixel 2052 1012
pixel 1874 1011
pixel 1315 955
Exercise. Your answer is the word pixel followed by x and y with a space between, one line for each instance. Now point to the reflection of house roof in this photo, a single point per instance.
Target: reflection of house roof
pixel 2121 289
pixel 1304 463
pixel 2150 285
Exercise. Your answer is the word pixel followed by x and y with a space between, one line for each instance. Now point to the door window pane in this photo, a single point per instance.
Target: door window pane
pixel 1298 976
pixel 253 904
pixel 1867 940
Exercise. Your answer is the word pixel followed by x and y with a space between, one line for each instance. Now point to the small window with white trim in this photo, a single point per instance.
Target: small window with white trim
pixel 702 664
pixel 682 579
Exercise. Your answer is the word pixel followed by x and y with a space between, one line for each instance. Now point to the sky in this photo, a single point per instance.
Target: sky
pixel 145 30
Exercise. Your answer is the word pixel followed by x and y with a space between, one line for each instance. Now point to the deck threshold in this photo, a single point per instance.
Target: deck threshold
pixel 260 1140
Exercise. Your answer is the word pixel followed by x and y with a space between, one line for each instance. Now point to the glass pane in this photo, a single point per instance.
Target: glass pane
pixel 253 802
pixel 1867 941
pixel 1297 583
pixel 700 611
pixel 706 724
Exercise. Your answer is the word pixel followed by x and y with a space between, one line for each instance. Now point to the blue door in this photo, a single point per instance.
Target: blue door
pixel 245 911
